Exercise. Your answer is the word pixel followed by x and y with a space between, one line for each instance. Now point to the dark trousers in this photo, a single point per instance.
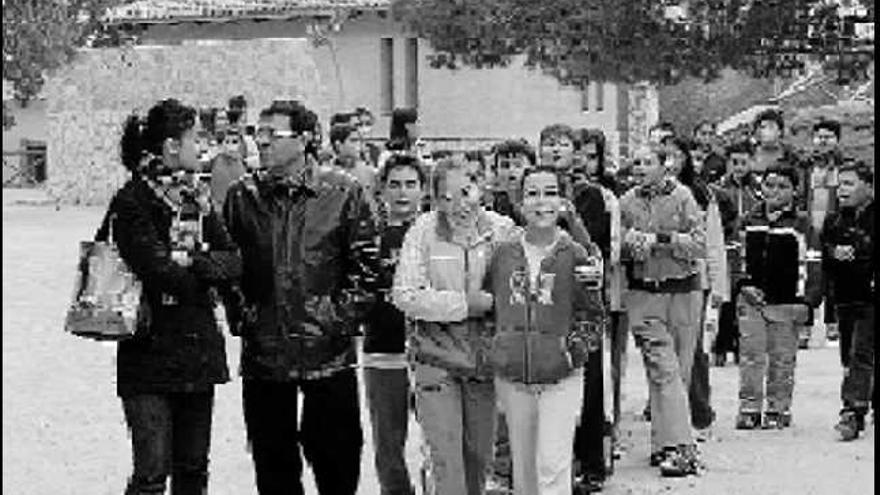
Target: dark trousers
pixel 170 435
pixel 388 400
pixel 845 325
pixel 589 446
pixel 727 339
pixel 330 433
pixel 858 378
pixel 699 392
pixel 619 335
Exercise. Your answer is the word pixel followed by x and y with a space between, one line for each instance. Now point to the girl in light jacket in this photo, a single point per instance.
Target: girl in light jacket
pixel 438 283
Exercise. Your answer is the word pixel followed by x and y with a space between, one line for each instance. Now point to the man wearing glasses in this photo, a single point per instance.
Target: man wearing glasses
pixel 309 256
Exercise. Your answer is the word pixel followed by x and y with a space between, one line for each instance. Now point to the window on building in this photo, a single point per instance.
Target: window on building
pixel 412 72
pixel 386 74
pixel 585 97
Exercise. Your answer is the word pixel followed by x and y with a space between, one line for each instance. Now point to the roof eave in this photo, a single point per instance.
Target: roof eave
pixel 256 16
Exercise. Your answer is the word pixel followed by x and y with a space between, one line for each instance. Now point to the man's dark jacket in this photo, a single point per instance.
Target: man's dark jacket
pixel 179 348
pixel 850 281
pixel 309 253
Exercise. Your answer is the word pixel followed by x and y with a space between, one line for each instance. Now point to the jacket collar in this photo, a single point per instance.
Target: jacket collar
pixel 564 242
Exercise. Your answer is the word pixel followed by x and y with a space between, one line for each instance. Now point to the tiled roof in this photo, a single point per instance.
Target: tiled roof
pixel 157 11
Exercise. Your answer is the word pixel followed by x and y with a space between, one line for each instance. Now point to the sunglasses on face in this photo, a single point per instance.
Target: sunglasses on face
pixel 270 134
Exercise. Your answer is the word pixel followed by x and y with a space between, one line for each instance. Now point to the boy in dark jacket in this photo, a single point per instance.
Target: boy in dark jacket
pixel 848 264
pixel 385 365
pixel 308 246
pixel 771 304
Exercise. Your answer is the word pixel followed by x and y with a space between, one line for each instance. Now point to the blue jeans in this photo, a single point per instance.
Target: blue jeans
pixel 858 375
pixel 170 435
pixel 388 399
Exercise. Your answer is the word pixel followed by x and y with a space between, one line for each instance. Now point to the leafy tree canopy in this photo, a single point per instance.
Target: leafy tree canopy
pixel 41 35
pixel 644 40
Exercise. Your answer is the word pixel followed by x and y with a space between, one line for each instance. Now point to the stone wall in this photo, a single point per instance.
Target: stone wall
pixel 89 100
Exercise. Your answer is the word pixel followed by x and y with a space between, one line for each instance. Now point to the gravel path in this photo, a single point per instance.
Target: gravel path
pixel 63 431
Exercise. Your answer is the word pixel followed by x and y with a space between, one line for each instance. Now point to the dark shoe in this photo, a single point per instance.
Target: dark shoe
pixel 774 420
pixel 848 427
pixel 658 457
pixel 748 420
pixel 681 461
pixel 785 419
pixel 589 483
pixel 646 414
pixel 720 359
pixel 803 342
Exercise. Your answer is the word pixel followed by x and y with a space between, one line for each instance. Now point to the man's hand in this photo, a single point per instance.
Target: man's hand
pixel 182 258
pixel 479 302
pixel 753 296
pixel 640 243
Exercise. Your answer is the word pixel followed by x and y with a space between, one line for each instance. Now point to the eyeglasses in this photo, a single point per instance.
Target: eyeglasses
pixel 592 156
pixel 270 134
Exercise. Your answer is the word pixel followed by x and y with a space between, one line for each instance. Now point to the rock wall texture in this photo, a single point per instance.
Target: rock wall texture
pixel 89 100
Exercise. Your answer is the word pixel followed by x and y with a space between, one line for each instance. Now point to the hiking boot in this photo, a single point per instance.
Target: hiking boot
pixel 681 461
pixel 646 413
pixel 774 420
pixel 848 426
pixel 748 420
pixel 589 483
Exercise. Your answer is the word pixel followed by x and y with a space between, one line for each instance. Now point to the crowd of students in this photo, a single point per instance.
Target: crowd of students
pixel 485 284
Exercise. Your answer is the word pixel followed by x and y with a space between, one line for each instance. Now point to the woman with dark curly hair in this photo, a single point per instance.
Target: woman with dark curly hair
pixel 168 234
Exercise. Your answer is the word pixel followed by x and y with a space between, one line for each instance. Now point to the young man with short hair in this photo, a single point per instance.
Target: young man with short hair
pixel 386 379
pixel 772 301
pixel 510 160
pixel 663 238
pixel 348 158
pixel 742 186
pixel 712 165
pixel 848 262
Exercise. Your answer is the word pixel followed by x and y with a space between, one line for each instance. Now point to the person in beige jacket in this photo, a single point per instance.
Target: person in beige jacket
pixel 438 283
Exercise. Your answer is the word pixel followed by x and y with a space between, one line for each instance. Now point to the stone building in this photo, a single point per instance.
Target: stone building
pixel 204 52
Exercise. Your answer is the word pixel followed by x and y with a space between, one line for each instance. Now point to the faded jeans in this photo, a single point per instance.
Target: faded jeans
pixel 457 417
pixel 542 421
pixel 663 327
pixel 170 435
pixel 858 376
pixel 768 350
pixel 387 393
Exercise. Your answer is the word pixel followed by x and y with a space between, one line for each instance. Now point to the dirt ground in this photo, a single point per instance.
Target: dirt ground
pixel 63 430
